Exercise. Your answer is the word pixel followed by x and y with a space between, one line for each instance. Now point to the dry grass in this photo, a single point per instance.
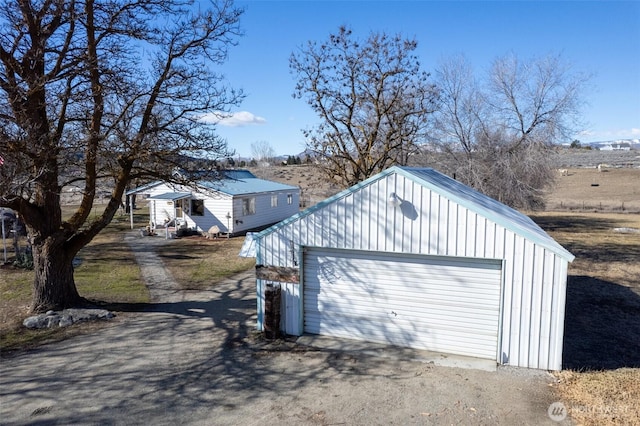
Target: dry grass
pixel 616 189
pixel 196 262
pixel 602 329
pixel 601 398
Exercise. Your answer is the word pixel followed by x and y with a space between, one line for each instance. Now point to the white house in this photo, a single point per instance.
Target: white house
pixel 616 146
pixel 413 258
pixel 236 202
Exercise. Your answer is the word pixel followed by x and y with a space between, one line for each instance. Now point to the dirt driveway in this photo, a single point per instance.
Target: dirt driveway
pixel 193 358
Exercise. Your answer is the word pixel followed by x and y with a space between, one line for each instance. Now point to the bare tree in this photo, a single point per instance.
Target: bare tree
pixel 262 152
pixel 101 91
pixel 500 133
pixel 373 100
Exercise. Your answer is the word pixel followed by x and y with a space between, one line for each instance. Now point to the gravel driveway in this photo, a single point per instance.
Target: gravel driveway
pixel 194 358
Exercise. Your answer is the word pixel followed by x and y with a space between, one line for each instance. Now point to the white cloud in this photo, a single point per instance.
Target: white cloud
pixel 234 119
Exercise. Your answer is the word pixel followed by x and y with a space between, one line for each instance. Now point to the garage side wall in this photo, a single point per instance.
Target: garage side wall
pixel 427 222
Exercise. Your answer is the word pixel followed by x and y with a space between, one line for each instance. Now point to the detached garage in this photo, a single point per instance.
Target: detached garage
pixel 413 258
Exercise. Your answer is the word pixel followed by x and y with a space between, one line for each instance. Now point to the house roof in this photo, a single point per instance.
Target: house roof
pixel 171 196
pixel 143 188
pixel 455 191
pixel 230 182
pixel 241 182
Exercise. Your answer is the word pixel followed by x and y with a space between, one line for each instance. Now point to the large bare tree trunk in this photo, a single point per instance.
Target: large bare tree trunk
pixel 77 109
pixel 53 286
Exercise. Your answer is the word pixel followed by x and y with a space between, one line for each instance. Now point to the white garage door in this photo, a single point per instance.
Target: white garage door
pixel 440 304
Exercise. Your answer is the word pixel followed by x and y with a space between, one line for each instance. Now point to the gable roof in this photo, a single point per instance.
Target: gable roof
pixel 141 189
pixel 453 190
pixel 243 182
pixel 171 196
pixel 230 182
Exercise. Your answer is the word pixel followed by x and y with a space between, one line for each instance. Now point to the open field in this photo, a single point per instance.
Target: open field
pixel 614 189
pixel 587 189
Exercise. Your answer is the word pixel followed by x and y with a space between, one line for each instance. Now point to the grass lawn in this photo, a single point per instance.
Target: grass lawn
pixel 107 273
pixel 196 263
pixel 601 383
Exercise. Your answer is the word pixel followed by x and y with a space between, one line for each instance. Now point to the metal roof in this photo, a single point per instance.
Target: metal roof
pixel 453 190
pixel 230 182
pixel 241 182
pixel 171 196
pixel 142 188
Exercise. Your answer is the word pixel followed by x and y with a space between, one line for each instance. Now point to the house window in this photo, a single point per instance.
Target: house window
pixel 248 206
pixel 289 198
pixel 197 207
pixel 274 201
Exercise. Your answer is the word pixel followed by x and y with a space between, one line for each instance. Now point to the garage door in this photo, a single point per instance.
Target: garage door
pixel 441 304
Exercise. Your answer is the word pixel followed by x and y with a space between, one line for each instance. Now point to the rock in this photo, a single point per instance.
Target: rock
pixel 52 320
pixel 65 320
pixel 66 317
pixel 35 322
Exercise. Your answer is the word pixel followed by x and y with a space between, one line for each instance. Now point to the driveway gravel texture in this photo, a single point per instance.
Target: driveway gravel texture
pixel 194 358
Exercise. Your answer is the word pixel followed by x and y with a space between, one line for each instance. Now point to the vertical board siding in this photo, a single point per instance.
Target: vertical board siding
pixel 534 278
pixel 560 294
pixel 535 309
pixel 526 301
pixel 546 320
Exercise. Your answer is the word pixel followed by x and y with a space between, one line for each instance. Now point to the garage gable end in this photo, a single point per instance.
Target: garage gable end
pixel 490 208
pixel 372 196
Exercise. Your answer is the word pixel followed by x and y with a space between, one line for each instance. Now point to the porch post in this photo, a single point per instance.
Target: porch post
pixel 130 211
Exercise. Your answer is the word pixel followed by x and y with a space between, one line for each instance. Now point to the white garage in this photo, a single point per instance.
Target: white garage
pixel 413 258
pixel 424 302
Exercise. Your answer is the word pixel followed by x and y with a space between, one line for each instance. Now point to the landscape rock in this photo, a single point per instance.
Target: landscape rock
pixel 66 317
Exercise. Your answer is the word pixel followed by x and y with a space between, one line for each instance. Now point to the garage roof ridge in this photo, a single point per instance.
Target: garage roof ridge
pixel 476 201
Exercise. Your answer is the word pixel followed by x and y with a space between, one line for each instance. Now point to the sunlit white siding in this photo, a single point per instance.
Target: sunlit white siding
pixel 441 217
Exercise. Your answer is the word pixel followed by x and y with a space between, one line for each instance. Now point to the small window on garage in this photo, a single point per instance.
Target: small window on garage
pixel 274 201
pixel 289 198
pixel 197 207
pixel 248 206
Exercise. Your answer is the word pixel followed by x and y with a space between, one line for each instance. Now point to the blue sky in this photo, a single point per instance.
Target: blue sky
pixel 598 37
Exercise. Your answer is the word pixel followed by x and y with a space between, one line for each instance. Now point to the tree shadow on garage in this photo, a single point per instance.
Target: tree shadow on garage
pixel 602 325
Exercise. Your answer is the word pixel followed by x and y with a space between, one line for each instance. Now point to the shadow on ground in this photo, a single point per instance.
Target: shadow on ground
pixel 602 325
pixel 203 356
pixel 563 223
